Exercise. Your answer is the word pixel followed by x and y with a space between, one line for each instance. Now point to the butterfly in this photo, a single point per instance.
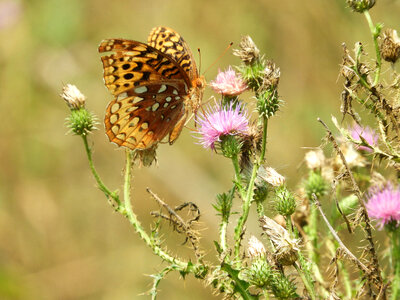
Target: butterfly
pixel 156 86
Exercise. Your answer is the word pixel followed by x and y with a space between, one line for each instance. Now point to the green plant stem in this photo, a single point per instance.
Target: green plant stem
pixel 245 210
pixel 302 271
pixel 100 183
pixel 238 181
pixel 395 255
pixel 313 234
pixel 356 69
pixel 240 286
pixel 312 243
pixel 260 209
pixel 135 222
pixel 264 139
pixel 222 234
pixel 375 34
pixel 306 283
pixel 250 192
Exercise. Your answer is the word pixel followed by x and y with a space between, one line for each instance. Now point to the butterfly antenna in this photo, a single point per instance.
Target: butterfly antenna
pixel 219 57
pixel 198 50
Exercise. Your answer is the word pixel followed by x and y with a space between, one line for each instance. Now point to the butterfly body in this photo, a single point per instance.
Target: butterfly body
pixel 155 85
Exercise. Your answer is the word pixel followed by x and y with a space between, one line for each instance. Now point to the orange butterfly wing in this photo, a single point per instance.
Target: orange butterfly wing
pixel 151 86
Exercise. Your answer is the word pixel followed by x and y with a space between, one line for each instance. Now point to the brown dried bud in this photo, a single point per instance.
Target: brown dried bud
pixel 390 46
pixel 271 176
pixel 286 247
pixel 271 76
pixel 255 248
pixel 73 96
pixel 248 51
pixel 251 142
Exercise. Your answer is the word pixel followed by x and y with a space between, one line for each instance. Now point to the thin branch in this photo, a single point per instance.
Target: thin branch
pixel 180 223
pixel 352 257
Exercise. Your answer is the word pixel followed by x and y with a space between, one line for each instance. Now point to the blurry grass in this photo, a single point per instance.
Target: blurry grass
pixel 59 237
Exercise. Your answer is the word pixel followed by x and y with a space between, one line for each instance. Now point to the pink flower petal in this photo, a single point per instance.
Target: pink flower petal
pixel 366 133
pixel 219 121
pixel 228 83
pixel 383 204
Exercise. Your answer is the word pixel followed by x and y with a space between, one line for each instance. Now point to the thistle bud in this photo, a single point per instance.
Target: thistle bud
pixel 81 121
pixel 315 184
pixel 258 274
pixel 360 5
pixel 230 146
pixel 390 46
pixel 285 202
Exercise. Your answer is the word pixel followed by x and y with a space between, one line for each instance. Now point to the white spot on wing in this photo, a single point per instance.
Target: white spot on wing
pixel 141 89
pixel 162 89
pixel 122 96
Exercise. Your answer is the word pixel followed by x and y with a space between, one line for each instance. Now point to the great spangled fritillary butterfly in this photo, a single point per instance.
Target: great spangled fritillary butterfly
pixel 155 85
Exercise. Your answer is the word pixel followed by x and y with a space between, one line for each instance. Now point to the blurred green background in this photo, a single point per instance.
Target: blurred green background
pixel 59 238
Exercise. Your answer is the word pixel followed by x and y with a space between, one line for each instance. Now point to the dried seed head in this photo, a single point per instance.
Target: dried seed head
pixel 251 142
pixel 255 248
pixel 73 96
pixel 315 159
pixel 248 51
pixel 271 176
pixel 286 247
pixel 390 46
pixel 271 76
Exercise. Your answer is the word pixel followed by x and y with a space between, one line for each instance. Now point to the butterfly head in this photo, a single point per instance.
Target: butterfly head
pixel 199 82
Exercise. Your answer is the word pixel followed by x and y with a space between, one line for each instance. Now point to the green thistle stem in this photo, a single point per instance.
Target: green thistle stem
pixel 135 222
pixel 250 192
pixel 313 234
pixel 264 139
pixel 395 255
pixel 245 209
pixel 302 270
pixel 375 34
pixel 307 284
pixel 240 286
pixel 100 183
pixel 222 234
pixel 238 181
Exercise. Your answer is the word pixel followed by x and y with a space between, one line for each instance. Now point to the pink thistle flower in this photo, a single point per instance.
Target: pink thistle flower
pixel 228 83
pixel 219 121
pixel 384 204
pixel 366 133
